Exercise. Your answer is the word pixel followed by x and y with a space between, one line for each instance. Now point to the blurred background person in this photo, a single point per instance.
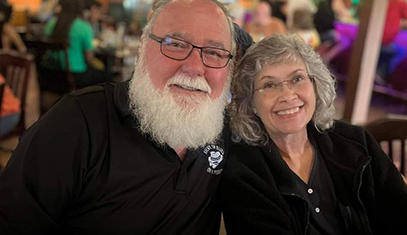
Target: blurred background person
pixel 354 8
pixel 47 9
pixel 68 25
pixel 10 38
pixel 391 53
pixel 238 12
pixel 263 24
pixel 303 26
pixel 324 20
pixel 294 5
pixel 279 9
pixel 117 11
pixel 332 42
pixel 94 13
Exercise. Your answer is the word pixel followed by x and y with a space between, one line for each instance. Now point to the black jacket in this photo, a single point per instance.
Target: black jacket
pixel 370 190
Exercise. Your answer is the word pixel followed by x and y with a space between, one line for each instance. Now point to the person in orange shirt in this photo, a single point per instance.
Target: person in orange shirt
pixel 262 24
pixel 10 110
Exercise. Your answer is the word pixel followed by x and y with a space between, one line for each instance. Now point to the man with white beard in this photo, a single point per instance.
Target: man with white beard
pixel 139 157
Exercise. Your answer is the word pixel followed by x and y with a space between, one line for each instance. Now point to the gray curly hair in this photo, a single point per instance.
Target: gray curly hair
pixel 274 50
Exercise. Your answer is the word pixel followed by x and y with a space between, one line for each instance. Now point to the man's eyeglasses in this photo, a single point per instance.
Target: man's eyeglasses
pixel 297 83
pixel 178 49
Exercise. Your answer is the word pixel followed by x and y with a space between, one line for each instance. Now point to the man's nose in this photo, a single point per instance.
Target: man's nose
pixel 193 64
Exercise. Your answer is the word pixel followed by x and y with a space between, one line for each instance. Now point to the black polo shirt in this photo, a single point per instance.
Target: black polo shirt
pixel 84 168
pixel 319 193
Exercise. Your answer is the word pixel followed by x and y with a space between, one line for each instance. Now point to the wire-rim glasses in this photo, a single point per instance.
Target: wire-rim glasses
pixel 297 83
pixel 179 50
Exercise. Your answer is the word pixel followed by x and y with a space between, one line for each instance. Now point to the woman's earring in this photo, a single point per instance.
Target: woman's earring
pixel 255 112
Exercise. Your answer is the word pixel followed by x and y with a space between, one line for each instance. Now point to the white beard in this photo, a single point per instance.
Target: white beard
pixel 177 120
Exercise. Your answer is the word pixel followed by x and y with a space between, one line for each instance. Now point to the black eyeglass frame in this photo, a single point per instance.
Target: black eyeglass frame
pixel 161 40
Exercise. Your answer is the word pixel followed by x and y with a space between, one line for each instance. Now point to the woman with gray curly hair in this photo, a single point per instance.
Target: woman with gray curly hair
pixel 293 168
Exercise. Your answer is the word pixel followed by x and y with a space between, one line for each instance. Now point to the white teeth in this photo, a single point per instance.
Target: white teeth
pixel 288 112
pixel 188 83
pixel 188 88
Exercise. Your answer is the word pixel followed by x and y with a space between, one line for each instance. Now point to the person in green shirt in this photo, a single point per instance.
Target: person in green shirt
pixel 68 25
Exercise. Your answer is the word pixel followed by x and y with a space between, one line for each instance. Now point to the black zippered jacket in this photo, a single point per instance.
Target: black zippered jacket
pixel 371 193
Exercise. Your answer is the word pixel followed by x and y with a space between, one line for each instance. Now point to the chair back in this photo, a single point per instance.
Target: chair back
pixel 391 133
pixel 1 103
pixel 2 85
pixel 1 27
pixel 16 68
pixel 40 46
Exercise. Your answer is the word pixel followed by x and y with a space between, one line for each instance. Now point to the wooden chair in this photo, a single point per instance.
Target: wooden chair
pixel 1 27
pixel 2 85
pixel 16 68
pixel 391 133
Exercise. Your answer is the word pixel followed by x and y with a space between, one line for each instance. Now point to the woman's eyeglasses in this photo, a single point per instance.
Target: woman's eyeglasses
pixel 297 83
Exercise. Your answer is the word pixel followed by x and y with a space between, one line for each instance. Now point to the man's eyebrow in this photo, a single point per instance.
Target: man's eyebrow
pixel 214 43
pixel 178 35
